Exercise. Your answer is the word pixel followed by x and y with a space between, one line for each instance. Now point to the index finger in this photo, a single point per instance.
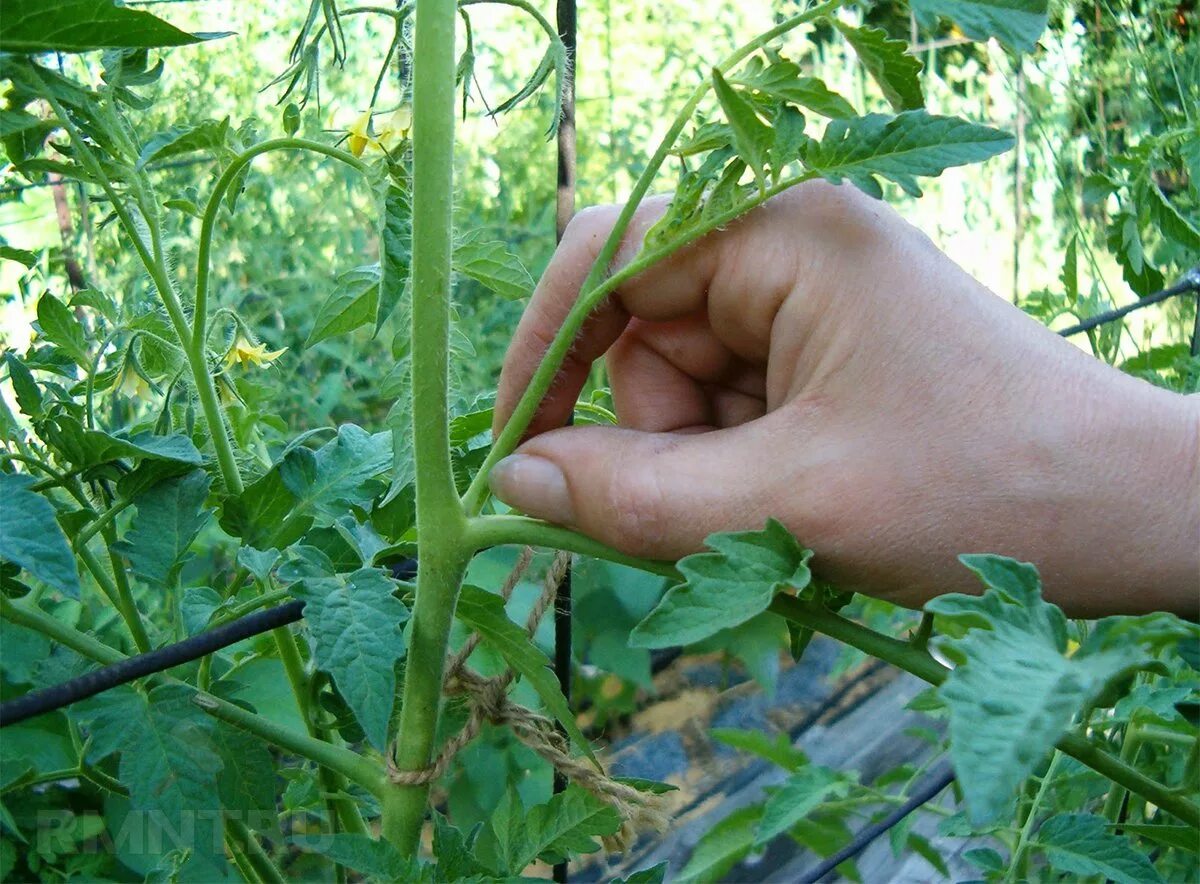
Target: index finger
pixel 672 288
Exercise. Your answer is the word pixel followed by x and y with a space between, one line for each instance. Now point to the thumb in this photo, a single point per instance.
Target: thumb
pixel 651 495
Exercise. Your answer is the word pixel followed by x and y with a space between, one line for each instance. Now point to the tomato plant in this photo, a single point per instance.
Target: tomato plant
pixel 152 500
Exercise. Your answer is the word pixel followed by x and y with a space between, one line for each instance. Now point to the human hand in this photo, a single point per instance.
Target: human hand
pixel 821 361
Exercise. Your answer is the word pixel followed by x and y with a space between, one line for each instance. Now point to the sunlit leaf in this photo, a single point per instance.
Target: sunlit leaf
pixel 1015 23
pixel 82 25
pixel 888 62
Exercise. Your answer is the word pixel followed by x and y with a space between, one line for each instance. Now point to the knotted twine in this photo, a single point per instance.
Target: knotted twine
pixel 488 701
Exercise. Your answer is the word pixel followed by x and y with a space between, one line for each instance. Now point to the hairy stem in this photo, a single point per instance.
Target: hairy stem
pixel 442 549
pixel 256 858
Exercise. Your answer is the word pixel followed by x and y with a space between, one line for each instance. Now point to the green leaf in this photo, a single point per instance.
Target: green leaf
pixel 29 397
pixel 354 302
pixel 800 795
pixel 60 327
pixel 888 62
pixel 246 783
pixel 779 751
pixel 31 537
pixel 455 852
pixel 1080 844
pixel 180 140
pixel 375 859
pixel 89 448
pixel 566 824
pixel 263 516
pixel 169 763
pixel 653 875
pixel 354 621
pixel 1171 223
pixel 395 243
pixel 780 79
pixel 491 264
pixel 83 25
pixel 722 846
pixel 726 587
pixel 1014 691
pixel 751 136
pixel 484 613
pixel 169 516
pixel 197 606
pixel 900 148
pixel 340 471
pixel 1016 23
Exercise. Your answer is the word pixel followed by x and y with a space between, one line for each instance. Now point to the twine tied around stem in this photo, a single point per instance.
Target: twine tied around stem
pixel 488 701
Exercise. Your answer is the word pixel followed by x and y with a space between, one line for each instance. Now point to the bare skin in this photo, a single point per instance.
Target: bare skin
pixel 822 362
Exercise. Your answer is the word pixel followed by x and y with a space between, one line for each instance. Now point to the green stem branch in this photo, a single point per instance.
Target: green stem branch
pixel 441 524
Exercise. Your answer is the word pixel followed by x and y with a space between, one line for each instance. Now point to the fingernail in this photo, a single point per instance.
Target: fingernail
pixel 533 485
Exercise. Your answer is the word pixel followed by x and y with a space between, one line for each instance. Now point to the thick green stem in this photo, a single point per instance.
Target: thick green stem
pixel 1130 744
pixel 345 762
pixel 443 552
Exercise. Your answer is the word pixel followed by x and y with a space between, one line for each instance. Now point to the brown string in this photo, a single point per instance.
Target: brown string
pixel 488 701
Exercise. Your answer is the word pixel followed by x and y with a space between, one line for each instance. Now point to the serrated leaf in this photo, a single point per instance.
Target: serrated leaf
pixel 751 136
pixel 354 302
pixel 888 63
pixel 1016 23
pixel 782 80
pixel 354 621
pixel 31 537
pixel 59 326
pixel 29 396
pixel 900 148
pixel 726 587
pixel 246 783
pixel 779 751
pixel 395 244
pixel 376 859
pixel 339 472
pixel 722 846
pixel 800 795
pixel 197 606
pixel 566 824
pixel 83 25
pixel 262 515
pixel 491 264
pixel 1080 844
pixel 484 613
pixel 454 851
pixel 708 136
pixel 180 140
pixel 1014 692
pixel 169 516
pixel 89 448
pixel 1125 242
pixel 1171 223
pixel 168 762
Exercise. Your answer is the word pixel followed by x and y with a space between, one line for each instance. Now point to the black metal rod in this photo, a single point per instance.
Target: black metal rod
pixel 566 20
pixel 92 683
pixel 935 783
pixel 1189 282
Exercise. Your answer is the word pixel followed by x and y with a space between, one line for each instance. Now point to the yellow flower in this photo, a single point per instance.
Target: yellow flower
pixel 395 129
pixel 360 134
pixel 131 384
pixel 397 126
pixel 247 354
